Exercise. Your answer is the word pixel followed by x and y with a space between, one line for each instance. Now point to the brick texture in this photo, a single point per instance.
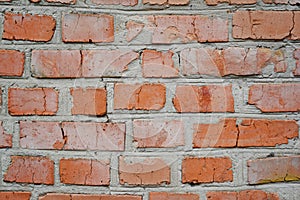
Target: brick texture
pixel 11 63
pixel 5 139
pixel 172 196
pixel 57 196
pixel 15 195
pixel 242 195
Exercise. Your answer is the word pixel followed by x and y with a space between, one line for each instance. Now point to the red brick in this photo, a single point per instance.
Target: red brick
pixel 241 195
pixel 28 27
pixel 99 63
pixel 11 63
pixel 87 28
pixel 57 196
pixel 297 58
pixel 262 24
pixel 84 172
pixel 143 171
pixel 187 28
pixel 32 101
pixel 28 169
pixel 72 135
pixel 210 98
pixel 56 63
pixel 275 97
pixel 5 139
pixel 238 2
pixel 249 133
pixel 172 196
pixel 11 195
pixel 89 101
pixel 116 2
pixel 158 64
pixel 133 29
pixel 62 1
pixel 139 96
pixel 206 170
pixel 170 2
pixel 276 169
pixel 295 34
pixel 158 133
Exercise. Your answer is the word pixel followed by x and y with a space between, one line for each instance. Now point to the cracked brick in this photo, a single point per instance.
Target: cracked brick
pixel 32 101
pixel 29 169
pixel 143 171
pixel 275 169
pixel 133 29
pixel 84 172
pixel 85 28
pixel 28 27
pixel 11 62
pixel 206 170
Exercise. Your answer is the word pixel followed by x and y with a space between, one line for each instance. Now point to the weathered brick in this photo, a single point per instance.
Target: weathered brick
pixel 32 101
pixel 116 2
pixel 72 135
pixel 263 24
pixel 84 172
pixel 158 64
pixel 210 98
pixel 275 97
pixel 187 28
pixel 11 62
pixel 57 196
pixel 297 58
pixel 241 195
pixel 238 2
pixel 103 63
pixel 139 96
pixel 143 171
pixel 56 63
pixel 28 27
pixel 5 139
pixel 88 101
pixel 276 169
pixel 88 28
pixel 28 169
pixel 172 196
pixel 12 195
pixel 206 170
pixel 250 132
pixel 170 2
pixel 62 1
pixel 133 29
pixel 158 133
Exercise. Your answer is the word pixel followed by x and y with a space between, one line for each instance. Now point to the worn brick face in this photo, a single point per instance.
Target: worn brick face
pixel 116 2
pixel 57 196
pixel 15 195
pixel 241 195
pixel 28 27
pixel 36 170
pixel 11 63
pixel 84 172
pixel 206 170
pixel 5 139
pixel 276 169
pixel 172 196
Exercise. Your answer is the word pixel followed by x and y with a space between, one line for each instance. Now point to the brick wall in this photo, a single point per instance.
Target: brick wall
pixel 149 99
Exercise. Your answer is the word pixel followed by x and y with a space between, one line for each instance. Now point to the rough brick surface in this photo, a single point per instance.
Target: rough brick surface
pixel 57 196
pixel 84 172
pixel 56 63
pixel 143 171
pixel 206 170
pixel 161 2
pixel 116 2
pixel 264 25
pixel 172 196
pixel 186 28
pixel 133 29
pixel 276 169
pixel 28 27
pixel 275 97
pixel 27 169
pixel 238 2
pixel 11 63
pixel 158 133
pixel 250 132
pixel 5 139
pixel 88 101
pixel 158 64
pixel 210 98
pixel 32 101
pixel 87 28
pixel 139 96
pixel 15 195
pixel 242 195
pixel 62 1
pixel 99 63
pixel 72 135
pixel 297 58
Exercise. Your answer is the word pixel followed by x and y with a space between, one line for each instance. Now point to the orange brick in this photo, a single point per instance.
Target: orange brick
pixel 12 195
pixel 11 63
pixel 172 196
pixel 57 196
